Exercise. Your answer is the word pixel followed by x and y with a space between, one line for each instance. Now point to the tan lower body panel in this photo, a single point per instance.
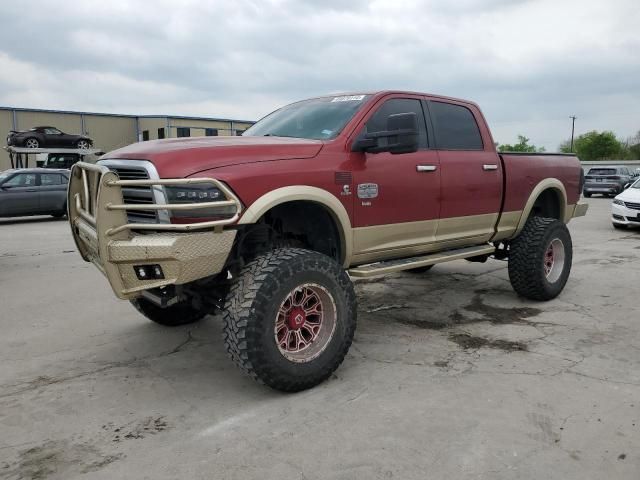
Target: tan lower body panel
pixel 383 242
pixel 576 210
pixel 507 225
pixel 472 226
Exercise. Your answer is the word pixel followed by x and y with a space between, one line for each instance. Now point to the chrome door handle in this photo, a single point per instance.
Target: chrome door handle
pixel 426 168
pixel 490 167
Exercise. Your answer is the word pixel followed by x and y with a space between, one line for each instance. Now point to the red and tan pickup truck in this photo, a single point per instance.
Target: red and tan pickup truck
pixel 269 227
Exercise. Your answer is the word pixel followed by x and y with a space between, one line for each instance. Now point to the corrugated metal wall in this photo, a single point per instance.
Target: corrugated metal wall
pixel 109 132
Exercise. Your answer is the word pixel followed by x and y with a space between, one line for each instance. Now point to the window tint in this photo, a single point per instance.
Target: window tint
pixel 602 171
pixel 455 127
pixel 52 131
pixel 21 180
pixel 378 122
pixel 47 179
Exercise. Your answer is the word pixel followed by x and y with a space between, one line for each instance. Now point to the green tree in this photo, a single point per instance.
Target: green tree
pixel 634 147
pixel 522 146
pixel 595 146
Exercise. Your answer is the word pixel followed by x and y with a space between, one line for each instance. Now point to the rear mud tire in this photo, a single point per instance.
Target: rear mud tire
pixel 173 316
pixel 540 259
pixel 254 310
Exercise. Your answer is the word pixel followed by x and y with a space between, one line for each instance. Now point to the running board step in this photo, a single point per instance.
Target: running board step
pixel 400 264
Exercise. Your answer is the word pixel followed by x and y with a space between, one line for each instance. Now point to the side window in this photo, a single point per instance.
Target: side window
pixel 378 122
pixel 47 179
pixel 455 127
pixel 21 180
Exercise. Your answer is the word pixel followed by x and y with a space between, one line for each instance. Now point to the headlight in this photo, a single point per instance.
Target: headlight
pixel 618 202
pixel 179 194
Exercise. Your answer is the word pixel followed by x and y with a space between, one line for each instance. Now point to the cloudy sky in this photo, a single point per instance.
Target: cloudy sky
pixel 529 64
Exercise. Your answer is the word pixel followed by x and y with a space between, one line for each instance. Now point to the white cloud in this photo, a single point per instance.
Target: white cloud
pixel 529 64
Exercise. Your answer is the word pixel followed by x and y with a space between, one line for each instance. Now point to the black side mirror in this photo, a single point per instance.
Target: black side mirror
pixel 401 136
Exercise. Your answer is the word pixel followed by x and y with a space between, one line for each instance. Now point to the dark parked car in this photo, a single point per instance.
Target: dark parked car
pixel 47 137
pixel 33 191
pixel 607 180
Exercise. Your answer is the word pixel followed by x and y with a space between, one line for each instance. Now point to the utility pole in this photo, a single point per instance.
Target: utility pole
pixel 573 125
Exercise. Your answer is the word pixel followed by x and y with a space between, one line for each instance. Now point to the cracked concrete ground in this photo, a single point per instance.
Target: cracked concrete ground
pixel 450 376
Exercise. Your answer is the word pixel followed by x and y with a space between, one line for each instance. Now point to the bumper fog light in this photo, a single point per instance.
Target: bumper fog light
pixel 148 272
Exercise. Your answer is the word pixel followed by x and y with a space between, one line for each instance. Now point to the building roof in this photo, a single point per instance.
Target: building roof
pixel 71 112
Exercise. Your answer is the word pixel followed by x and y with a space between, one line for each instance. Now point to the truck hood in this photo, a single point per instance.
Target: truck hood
pixel 182 157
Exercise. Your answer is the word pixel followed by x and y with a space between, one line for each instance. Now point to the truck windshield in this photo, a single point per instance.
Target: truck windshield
pixel 318 118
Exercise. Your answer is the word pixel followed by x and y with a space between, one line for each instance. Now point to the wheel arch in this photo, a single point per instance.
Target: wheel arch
pixel 305 193
pixel 549 189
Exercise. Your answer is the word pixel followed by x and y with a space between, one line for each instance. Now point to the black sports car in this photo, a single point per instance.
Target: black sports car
pixel 47 137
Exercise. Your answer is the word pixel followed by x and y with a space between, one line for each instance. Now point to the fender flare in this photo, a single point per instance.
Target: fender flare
pixel 308 194
pixel 547 184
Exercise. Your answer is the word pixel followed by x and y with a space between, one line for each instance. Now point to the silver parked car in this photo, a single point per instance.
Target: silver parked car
pixel 607 180
pixel 33 191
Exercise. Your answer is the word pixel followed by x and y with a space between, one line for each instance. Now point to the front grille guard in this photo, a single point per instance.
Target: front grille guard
pixel 87 200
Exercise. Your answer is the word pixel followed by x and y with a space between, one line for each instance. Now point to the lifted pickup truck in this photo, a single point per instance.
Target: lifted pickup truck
pixel 270 226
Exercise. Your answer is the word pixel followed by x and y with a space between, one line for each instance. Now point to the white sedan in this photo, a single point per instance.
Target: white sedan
pixel 625 209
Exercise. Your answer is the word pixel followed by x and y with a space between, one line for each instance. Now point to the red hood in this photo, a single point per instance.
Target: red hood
pixel 182 157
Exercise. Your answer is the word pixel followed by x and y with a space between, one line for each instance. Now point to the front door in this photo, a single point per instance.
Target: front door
pixel 396 196
pixel 19 195
pixel 55 138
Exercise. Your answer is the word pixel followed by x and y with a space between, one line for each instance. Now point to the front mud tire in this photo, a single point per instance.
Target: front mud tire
pixel 266 294
pixel 173 316
pixel 540 259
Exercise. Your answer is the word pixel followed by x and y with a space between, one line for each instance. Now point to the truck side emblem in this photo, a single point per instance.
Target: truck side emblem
pixel 346 190
pixel 367 190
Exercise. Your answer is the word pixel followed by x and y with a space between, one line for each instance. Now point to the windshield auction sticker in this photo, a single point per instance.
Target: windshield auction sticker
pixel 348 98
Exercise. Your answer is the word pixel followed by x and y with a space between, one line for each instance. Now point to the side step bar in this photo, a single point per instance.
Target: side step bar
pixel 398 265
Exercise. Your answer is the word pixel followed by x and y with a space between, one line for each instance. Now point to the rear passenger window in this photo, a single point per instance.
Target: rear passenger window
pixel 378 122
pixel 47 179
pixel 455 127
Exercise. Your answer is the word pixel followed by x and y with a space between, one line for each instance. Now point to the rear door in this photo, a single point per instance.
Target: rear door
pixel 19 195
pixel 52 192
pixel 396 197
pixel 471 174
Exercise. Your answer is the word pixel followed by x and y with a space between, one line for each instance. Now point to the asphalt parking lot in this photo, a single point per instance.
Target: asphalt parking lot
pixel 450 376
